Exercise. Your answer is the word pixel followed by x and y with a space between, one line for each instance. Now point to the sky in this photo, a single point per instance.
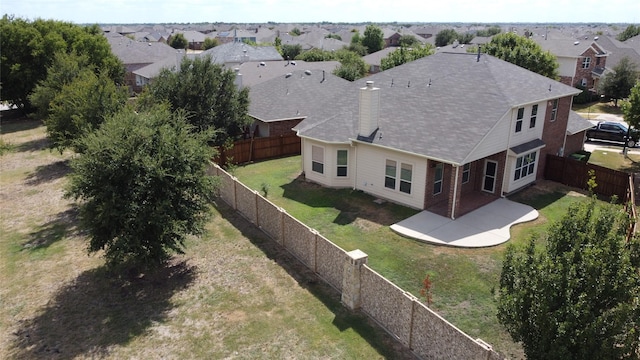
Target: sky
pixel 301 11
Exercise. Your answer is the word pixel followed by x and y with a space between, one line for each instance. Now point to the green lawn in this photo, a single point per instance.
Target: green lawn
pixel 464 280
pixel 614 159
pixel 597 107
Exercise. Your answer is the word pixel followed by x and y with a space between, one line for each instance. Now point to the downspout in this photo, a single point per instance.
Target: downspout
pixel 355 170
pixel 455 194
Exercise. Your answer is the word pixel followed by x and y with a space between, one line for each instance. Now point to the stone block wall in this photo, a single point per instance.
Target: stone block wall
pixel 329 261
pixel 427 334
pixel 387 304
pixel 270 219
pixel 300 240
pixel 246 202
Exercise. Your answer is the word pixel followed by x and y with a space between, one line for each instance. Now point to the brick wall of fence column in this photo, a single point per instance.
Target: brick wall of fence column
pixel 406 318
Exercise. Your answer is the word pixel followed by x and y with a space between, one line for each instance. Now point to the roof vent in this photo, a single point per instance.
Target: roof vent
pixel 576 43
pixel 596 38
pixel 262 63
pixel 308 72
pixel 288 75
pixel 293 63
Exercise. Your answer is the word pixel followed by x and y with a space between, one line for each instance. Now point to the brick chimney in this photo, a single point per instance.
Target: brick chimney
pixel 369 109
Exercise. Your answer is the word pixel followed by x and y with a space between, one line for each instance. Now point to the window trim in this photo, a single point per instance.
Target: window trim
pixel 344 166
pixel 554 110
pixel 586 62
pixel 494 176
pixel 404 182
pixel 390 180
pixel 519 118
pixel 466 172
pixel 437 183
pixel 527 163
pixel 534 116
pixel 317 159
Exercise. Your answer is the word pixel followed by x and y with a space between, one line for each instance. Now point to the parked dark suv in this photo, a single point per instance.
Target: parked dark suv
pixel 613 131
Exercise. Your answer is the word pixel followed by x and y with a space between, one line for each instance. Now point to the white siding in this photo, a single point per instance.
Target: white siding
pixel 329 178
pixel 526 134
pixel 511 184
pixel 371 172
pixel 567 66
pixel 495 141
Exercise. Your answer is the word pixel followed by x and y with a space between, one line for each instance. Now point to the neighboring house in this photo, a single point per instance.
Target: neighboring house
pixel 618 50
pixel 195 39
pixel 375 60
pixel 136 55
pixel 447 133
pixel 279 104
pixel 582 62
pixel 391 37
pixel 235 53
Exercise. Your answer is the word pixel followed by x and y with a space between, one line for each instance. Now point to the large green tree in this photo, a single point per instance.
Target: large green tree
pixel 352 67
pixel 523 52
pixel 629 32
pixel 209 95
pixel 29 48
pixel 577 297
pixel 80 107
pixel 373 38
pixel 289 52
pixel 631 107
pixel 142 186
pixel 617 84
pixel 446 37
pixel 178 41
pixel 405 55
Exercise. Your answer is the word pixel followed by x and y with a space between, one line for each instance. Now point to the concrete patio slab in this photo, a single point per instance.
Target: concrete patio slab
pixel 483 227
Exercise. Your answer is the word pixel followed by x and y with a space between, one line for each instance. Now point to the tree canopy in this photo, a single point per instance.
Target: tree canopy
pixel 523 52
pixel 617 84
pixel 373 38
pixel 210 43
pixel 29 48
pixel 629 32
pixel 178 41
pixel 352 67
pixel 631 107
pixel 290 52
pixel 80 107
pixel 577 297
pixel 142 186
pixel 405 55
pixel 445 37
pixel 208 94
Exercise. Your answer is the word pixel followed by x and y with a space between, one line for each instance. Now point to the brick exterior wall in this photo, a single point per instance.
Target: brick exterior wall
pixel 574 143
pixel 586 73
pixel 430 199
pixel 280 128
pixel 553 133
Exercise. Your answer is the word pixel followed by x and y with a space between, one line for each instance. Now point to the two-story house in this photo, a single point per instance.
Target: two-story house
pixel 582 62
pixel 447 133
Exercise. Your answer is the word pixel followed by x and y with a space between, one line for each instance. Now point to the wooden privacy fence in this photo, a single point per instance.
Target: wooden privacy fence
pixel 255 149
pixel 576 174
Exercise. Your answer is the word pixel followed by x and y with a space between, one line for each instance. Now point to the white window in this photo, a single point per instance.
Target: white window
pixel 342 160
pixel 317 159
pixel 390 174
pixel 490 175
pixel 466 173
pixel 525 165
pixel 438 175
pixel 519 119
pixel 554 110
pixel 406 172
pixel 586 62
pixel 534 115
pixel 583 82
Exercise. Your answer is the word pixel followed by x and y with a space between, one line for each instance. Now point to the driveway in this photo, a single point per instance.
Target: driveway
pixel 483 227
